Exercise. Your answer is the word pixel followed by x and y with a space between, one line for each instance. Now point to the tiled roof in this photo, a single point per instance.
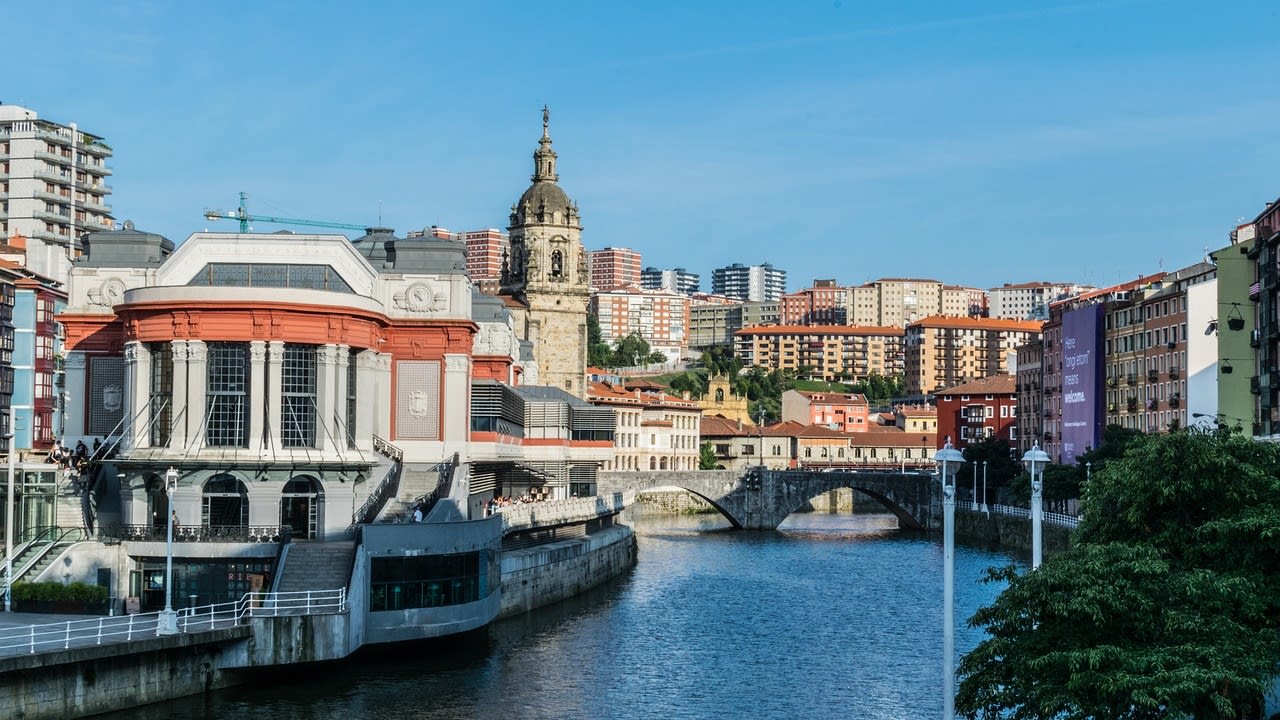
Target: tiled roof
pixel 945 321
pixel 1003 384
pixel 819 330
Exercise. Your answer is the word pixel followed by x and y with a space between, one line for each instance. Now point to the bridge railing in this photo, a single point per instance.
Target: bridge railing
pixel 125 628
pixel 554 512
pixel 1052 518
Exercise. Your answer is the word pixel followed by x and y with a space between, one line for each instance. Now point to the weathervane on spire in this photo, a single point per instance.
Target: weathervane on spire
pixel 546 119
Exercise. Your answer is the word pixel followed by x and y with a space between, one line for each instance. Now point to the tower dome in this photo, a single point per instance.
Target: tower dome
pixel 544 202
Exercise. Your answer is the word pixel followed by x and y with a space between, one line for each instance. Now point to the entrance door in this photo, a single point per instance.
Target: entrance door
pixel 300 503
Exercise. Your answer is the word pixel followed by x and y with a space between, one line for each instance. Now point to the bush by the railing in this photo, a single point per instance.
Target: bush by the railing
pixel 56 597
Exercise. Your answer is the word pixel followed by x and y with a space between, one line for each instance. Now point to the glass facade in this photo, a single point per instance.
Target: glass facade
pixel 405 583
pixel 278 275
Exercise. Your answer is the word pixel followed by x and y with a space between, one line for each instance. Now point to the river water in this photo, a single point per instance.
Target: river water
pixel 833 616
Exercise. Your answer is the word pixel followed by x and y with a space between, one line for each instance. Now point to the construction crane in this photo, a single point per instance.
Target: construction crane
pixel 242 214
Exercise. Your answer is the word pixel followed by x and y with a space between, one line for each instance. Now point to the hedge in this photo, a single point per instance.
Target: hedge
pixel 59 592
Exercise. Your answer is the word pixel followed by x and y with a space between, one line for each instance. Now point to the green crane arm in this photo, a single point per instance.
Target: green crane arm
pixel 242 214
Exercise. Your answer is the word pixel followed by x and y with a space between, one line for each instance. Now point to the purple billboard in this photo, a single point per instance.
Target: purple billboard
pixel 1082 416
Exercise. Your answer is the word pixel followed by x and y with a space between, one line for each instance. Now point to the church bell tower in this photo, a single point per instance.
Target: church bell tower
pixel 545 270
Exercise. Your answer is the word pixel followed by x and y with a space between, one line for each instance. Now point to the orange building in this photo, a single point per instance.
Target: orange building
pixel 828 352
pixel 945 351
pixel 844 412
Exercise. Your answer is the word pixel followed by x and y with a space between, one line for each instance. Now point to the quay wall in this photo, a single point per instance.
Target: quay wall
pixel 549 573
pixel 80 682
pixel 1011 533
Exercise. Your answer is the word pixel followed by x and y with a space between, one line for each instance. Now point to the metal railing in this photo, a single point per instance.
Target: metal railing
pixel 126 628
pixel 378 497
pixel 383 447
pixel 1052 518
pixel 196 533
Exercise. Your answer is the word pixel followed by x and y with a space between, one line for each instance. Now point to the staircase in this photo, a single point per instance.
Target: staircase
pixel 44 551
pixel 316 566
pixel 416 480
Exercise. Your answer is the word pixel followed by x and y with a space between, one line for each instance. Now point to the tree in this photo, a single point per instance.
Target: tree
pixel 598 352
pixel 1166 606
pixel 707 459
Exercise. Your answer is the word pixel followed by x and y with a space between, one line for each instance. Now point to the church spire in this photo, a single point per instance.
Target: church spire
pixel 544 158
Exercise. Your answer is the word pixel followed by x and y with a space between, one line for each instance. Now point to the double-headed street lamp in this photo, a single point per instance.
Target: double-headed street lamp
pixel 948 460
pixel 167 623
pixel 1036 460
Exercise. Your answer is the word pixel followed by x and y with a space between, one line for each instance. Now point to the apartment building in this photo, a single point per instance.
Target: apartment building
pixel 661 317
pixel 713 319
pixel 485 251
pixel 653 430
pixel 1030 391
pixel 1027 301
pixel 755 283
pixel 52 189
pixel 613 268
pixel 945 351
pixel 827 352
pixel 897 302
pixel 823 304
pixel 979 410
pixel 844 412
pixel 676 279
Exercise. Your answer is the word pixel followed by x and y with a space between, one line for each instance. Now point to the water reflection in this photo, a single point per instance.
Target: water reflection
pixel 831 616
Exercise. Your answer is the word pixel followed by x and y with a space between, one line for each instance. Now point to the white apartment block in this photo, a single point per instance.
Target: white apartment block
pixel 654 430
pixel 756 283
pixel 1026 301
pixel 52 188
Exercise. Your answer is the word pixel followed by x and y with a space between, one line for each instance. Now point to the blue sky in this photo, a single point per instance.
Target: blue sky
pixel 976 143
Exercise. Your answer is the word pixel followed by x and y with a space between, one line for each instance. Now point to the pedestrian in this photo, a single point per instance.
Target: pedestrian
pixel 417 512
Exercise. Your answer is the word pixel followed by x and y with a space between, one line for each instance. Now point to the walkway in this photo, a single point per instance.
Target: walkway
pixel 29 633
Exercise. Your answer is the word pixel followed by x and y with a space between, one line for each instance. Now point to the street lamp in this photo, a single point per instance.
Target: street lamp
pixel 167 622
pixel 12 436
pixel 1036 460
pixel 948 460
pixel 984 486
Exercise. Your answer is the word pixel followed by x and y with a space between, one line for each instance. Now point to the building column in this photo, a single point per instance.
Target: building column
pixel 326 387
pixel 368 402
pixel 343 357
pixel 275 360
pixel 178 435
pixel 456 399
pixel 74 400
pixel 137 393
pixel 382 397
pixel 197 392
pixel 257 395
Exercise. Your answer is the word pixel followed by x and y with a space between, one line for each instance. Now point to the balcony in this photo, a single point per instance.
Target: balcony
pixel 1132 378
pixel 1113 381
pixel 1173 373
pixel 1131 405
pixel 1111 407
pixel 1153 376
pixel 1175 401
pixel 1153 404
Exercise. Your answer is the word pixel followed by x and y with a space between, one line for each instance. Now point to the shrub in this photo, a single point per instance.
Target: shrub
pixel 58 592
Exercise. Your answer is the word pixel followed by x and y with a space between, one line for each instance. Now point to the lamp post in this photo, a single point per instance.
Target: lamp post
pixel 1088 471
pixel 948 460
pixel 975 485
pixel 984 485
pixel 167 622
pixel 1036 460
pixel 12 436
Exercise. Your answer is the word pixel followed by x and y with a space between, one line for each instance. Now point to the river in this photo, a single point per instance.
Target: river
pixel 833 616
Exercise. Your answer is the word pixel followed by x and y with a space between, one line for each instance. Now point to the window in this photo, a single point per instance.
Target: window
pixel 227 399
pixel 298 396
pixel 352 398
pixel 161 407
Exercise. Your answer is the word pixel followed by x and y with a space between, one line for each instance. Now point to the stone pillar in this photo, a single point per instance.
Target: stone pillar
pixel 75 401
pixel 326 387
pixel 178 437
pixel 368 403
pixel 383 399
pixel 137 397
pixel 257 395
pixel 197 392
pixel 275 360
pixel 456 399
pixel 340 429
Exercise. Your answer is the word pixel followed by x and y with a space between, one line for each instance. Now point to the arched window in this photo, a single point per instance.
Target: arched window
pixel 663 464
pixel 719 395
pixel 653 463
pixel 225 502
pixel 557 263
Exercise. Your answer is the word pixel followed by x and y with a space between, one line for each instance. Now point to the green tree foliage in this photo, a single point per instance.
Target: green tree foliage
pixel 1002 465
pixel 707 459
pixel 880 389
pixel 1166 606
pixel 598 352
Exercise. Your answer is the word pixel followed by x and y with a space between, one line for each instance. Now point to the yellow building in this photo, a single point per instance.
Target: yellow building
pixel 835 353
pixel 720 400
pixel 947 351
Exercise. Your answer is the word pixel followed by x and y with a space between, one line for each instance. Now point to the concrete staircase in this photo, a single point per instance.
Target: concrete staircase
pixel 416 480
pixel 316 566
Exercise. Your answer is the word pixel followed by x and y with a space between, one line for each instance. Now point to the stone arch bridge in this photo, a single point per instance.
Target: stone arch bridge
pixel 760 499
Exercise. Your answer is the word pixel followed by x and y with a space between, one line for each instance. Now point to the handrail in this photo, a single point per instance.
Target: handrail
pixel 385 448
pixel 385 488
pixel 50 637
pixel 1053 518
pixel 59 535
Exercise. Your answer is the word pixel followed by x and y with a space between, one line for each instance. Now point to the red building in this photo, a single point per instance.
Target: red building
pixel 823 304
pixel 844 412
pixel 979 409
